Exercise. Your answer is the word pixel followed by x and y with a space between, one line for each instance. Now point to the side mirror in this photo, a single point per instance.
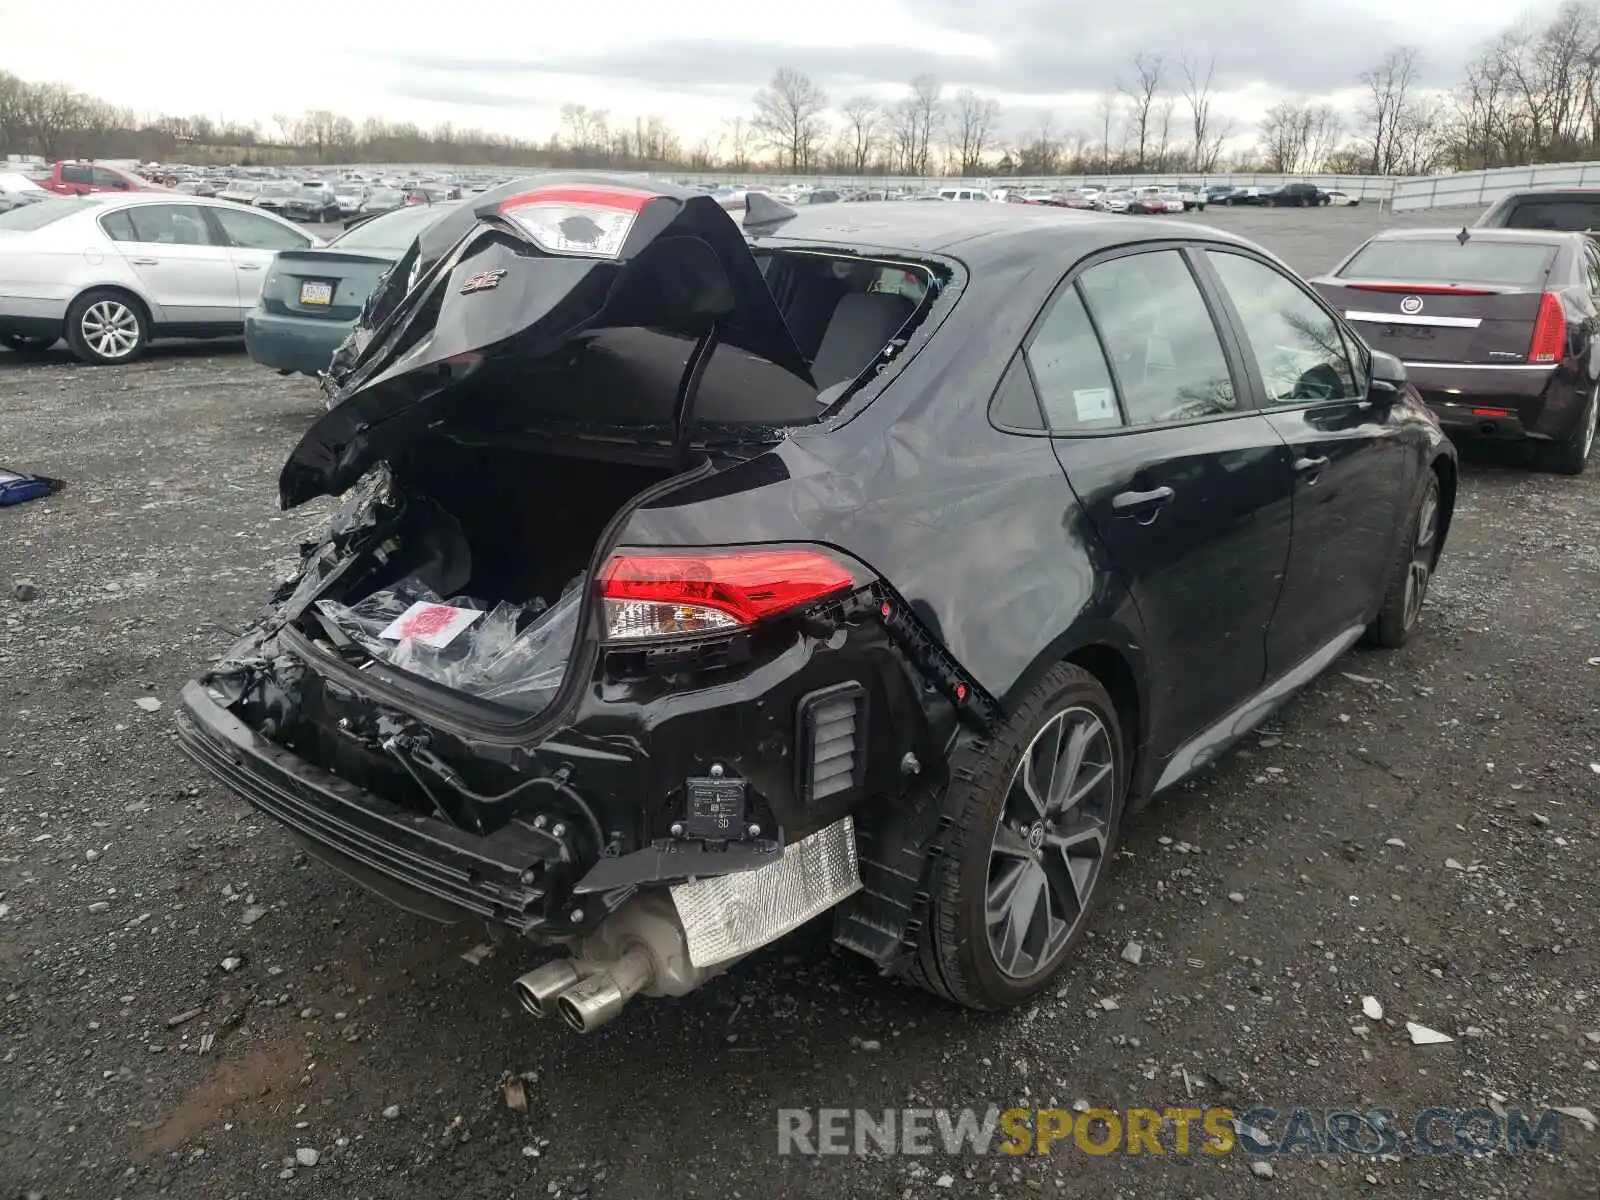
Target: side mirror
pixel 1386 379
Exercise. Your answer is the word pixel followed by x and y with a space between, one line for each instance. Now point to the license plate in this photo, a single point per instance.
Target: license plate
pixel 316 293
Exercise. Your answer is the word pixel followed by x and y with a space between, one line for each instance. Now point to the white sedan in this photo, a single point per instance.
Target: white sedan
pixel 111 273
pixel 1343 199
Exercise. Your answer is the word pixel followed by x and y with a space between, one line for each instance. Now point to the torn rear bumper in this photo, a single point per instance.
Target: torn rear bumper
pixel 416 861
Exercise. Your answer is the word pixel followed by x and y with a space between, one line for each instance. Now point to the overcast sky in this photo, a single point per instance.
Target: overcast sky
pixel 509 66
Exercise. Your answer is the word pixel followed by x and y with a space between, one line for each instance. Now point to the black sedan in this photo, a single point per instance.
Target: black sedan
pixel 1497 328
pixel 694 581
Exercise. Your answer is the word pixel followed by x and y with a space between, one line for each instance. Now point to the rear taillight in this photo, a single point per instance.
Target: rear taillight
pixel 1549 343
pixel 1420 289
pixel 648 595
pixel 592 221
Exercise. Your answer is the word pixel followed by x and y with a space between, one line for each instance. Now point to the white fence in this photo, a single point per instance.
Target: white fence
pixel 1485 187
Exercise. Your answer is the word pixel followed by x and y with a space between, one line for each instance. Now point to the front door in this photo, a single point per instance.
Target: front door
pixel 1352 471
pixel 1187 488
pixel 171 249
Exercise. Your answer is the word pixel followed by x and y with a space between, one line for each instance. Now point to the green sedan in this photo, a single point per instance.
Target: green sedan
pixel 311 297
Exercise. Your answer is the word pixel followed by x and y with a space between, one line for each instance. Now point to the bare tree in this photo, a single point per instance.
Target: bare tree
pixel 1297 136
pixel 863 121
pixel 975 118
pixel 1206 138
pixel 740 137
pixel 1163 130
pixel 1106 109
pixel 1388 87
pixel 921 118
pixel 788 116
pixel 1041 152
pixel 1141 95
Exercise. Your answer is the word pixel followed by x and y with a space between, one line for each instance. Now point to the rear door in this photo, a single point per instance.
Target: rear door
pixel 1186 486
pixel 178 260
pixel 1351 466
pixel 253 241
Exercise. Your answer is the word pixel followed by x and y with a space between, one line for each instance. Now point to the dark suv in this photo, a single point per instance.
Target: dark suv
pixel 1571 210
pixel 1298 195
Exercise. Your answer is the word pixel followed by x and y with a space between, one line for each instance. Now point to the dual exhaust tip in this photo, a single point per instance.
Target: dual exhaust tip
pixel 585 995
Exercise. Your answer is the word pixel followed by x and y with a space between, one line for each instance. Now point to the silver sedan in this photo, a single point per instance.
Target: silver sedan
pixel 112 273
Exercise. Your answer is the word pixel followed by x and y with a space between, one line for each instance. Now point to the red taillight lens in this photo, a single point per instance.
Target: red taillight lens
pixel 650 595
pixel 1549 331
pixel 593 220
pixel 1420 289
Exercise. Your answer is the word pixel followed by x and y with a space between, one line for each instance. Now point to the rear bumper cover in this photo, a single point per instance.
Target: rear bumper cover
pixel 1537 402
pixel 286 343
pixel 416 861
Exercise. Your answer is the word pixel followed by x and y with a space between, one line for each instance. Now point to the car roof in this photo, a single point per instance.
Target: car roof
pixel 981 230
pixel 1540 193
pixel 1479 233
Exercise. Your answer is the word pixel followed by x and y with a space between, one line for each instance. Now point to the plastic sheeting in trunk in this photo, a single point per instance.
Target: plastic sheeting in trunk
pixel 515 654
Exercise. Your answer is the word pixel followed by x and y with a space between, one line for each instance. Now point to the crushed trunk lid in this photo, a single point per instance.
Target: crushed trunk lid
pixel 522 275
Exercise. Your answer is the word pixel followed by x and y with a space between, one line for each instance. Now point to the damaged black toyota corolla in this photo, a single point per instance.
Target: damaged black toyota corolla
pixel 693 581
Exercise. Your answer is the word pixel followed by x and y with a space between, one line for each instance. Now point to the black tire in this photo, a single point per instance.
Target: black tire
pixel 1570 455
pixel 957 958
pixel 27 345
pixel 1410 572
pixel 108 310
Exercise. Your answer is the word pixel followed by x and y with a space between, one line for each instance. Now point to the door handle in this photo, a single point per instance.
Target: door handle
pixel 1311 465
pixel 145 262
pixel 249 266
pixel 1143 505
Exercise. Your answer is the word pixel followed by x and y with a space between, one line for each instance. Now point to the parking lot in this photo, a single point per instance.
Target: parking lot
pixel 186 1002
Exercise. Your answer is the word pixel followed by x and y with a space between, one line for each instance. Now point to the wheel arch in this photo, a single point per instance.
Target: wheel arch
pixel 1444 466
pixel 1112 654
pixel 147 308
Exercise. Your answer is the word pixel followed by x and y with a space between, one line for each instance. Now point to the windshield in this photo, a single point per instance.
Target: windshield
pixel 393 232
pixel 40 214
pixel 1571 215
pixel 386 197
pixel 1513 264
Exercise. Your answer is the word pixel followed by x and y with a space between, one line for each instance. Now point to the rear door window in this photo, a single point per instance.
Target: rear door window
pixel 161 224
pixel 74 173
pixel 1069 370
pixel 1158 331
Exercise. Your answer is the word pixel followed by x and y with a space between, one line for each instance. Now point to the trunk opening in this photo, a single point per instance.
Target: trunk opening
pixel 504 535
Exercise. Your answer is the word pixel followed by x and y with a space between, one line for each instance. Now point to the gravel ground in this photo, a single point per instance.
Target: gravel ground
pixel 190 1009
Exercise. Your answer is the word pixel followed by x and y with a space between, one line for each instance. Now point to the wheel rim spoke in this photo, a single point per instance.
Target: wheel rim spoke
pixel 1049 842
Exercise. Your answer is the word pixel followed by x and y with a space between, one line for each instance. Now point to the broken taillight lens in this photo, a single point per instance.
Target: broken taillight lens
pixel 593 221
pixel 648 595
pixel 1549 331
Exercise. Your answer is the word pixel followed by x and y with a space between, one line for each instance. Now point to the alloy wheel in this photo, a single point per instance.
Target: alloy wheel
pixel 1049 842
pixel 110 328
pixel 1420 570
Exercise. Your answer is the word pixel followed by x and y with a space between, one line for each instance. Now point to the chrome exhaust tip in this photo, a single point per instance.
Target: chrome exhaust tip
pixel 598 998
pixel 541 987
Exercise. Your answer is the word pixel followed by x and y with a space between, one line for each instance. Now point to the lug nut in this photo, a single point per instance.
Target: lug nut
pixel 558 830
pixel 575 916
pixel 539 822
pixel 676 830
pixel 754 831
pixel 527 877
pixel 717 770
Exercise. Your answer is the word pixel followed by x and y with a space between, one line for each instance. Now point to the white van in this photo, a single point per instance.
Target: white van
pixel 952 193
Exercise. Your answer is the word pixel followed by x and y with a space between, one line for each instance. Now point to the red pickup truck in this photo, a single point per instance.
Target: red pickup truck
pixel 77 178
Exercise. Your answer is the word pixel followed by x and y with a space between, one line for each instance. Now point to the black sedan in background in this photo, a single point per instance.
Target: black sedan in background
pixel 1497 328
pixel 696 581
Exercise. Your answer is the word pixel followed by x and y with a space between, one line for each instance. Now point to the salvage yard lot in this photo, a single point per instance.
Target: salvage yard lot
pixel 185 1002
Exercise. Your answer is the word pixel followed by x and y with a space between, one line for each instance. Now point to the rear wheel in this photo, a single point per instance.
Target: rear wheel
pixel 1037 811
pixel 1410 574
pixel 106 327
pixel 1570 455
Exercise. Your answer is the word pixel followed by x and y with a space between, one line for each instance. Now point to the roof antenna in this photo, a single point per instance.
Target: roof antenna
pixel 762 213
pixel 1463 237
